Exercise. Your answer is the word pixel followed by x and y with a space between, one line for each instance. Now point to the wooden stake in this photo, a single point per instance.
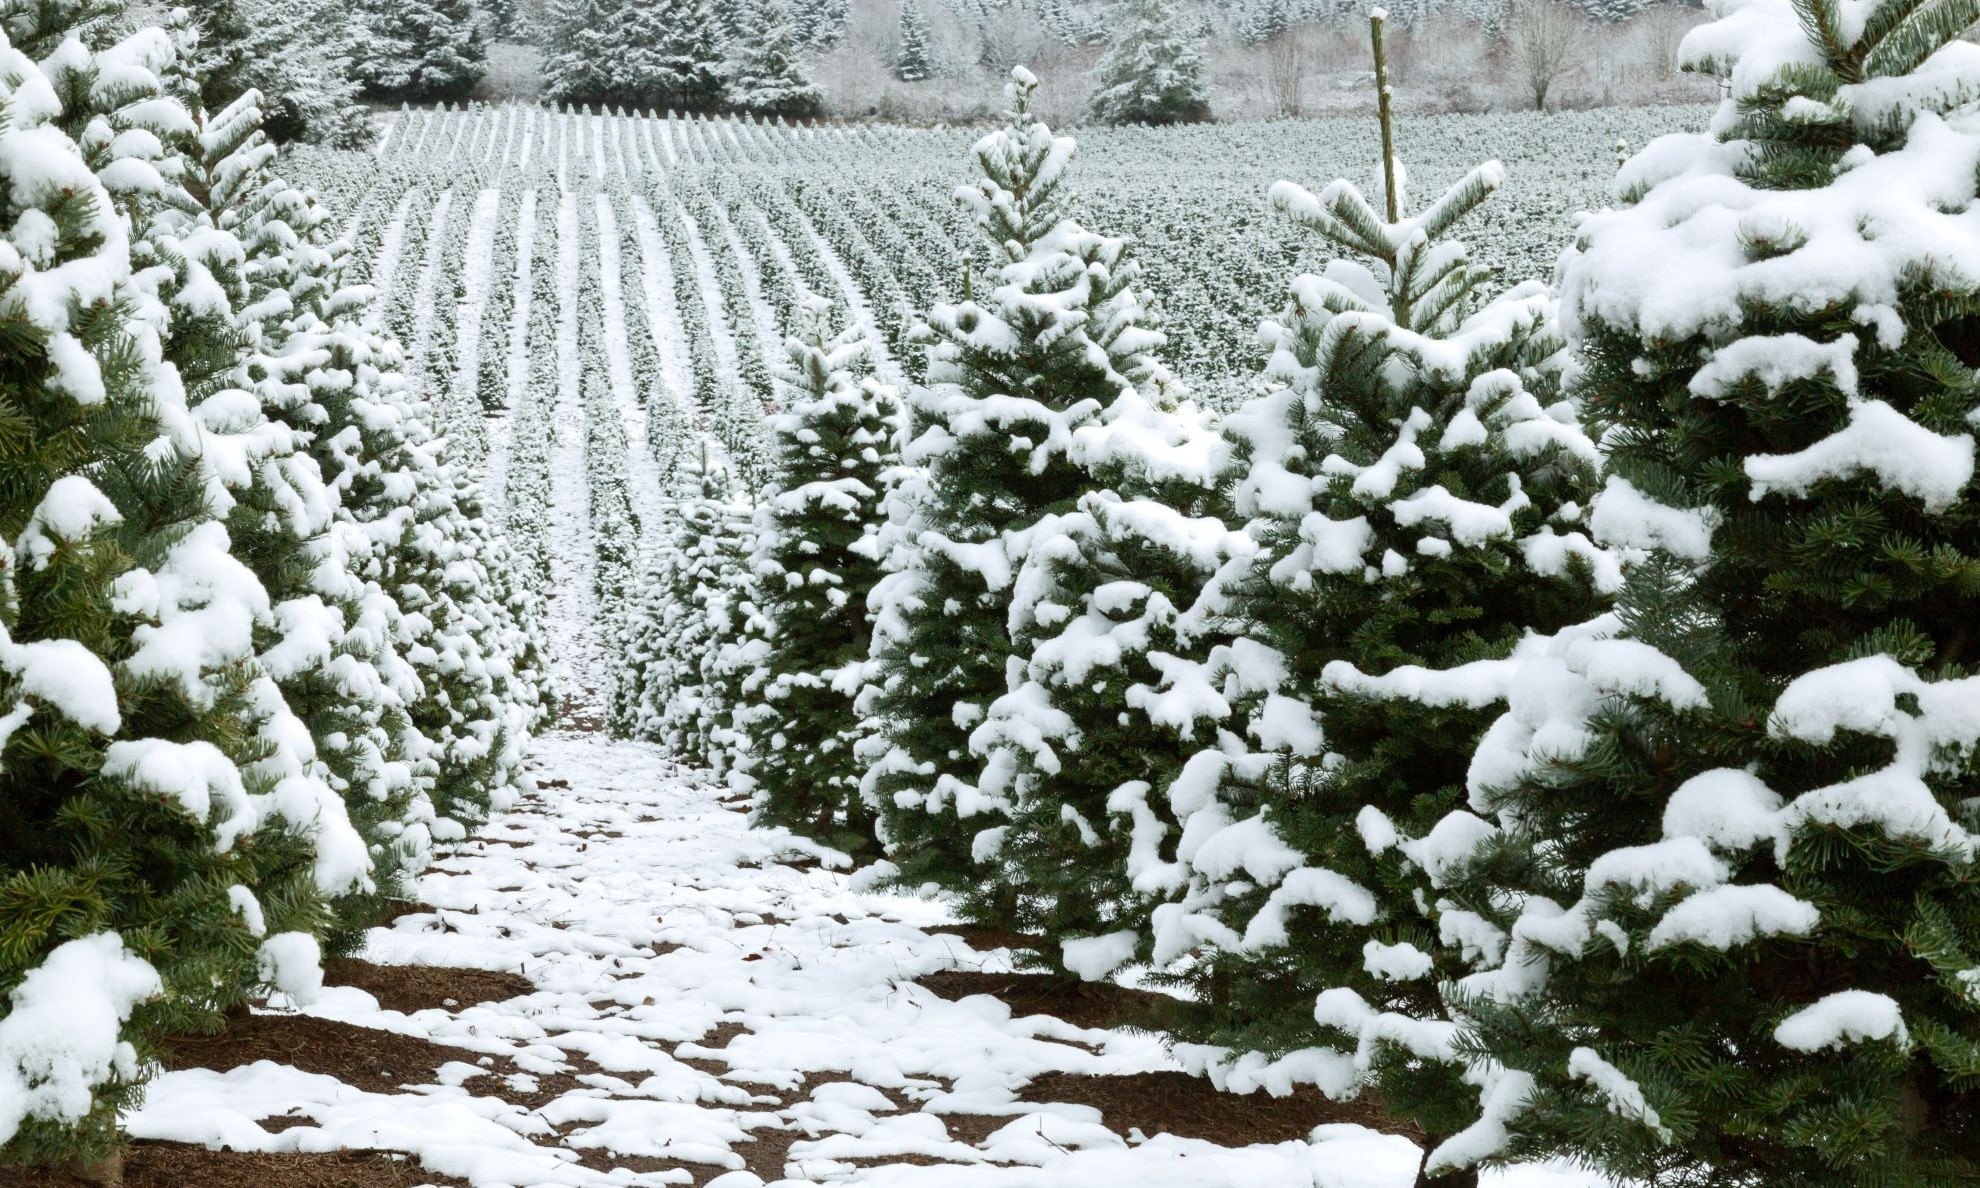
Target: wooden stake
pixel 1376 19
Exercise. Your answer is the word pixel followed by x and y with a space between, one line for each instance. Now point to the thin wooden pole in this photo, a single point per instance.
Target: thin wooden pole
pixel 1377 18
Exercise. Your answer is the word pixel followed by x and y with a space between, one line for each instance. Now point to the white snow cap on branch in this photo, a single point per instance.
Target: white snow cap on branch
pixel 1846 1017
pixel 60 1038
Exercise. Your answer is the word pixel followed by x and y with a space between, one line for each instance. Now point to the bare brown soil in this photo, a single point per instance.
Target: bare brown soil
pixel 179 1165
pixel 1191 1107
pixel 1082 1004
pixel 366 1058
pixel 409 988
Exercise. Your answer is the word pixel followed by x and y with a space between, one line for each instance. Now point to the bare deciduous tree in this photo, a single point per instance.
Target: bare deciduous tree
pixel 1288 57
pixel 1546 41
pixel 1663 28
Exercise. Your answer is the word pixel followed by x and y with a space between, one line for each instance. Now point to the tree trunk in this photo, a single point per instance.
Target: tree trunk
pixel 106 1172
pixel 1466 1177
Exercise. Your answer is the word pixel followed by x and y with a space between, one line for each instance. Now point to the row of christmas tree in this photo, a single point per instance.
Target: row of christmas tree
pixel 258 649
pixel 1547 710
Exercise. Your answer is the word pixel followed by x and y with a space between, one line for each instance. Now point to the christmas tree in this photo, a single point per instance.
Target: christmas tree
pixel 913 56
pixel 332 647
pixel 1725 839
pixel 763 72
pixel 419 49
pixel 1151 74
pixel 1012 377
pixel 152 800
pixel 681 680
pixel 814 565
pixel 295 55
pixel 1414 490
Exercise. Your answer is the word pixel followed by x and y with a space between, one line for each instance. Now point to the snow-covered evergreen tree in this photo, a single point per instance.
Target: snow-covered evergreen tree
pixel 296 54
pixel 1084 736
pixel 682 671
pixel 332 644
pixel 580 48
pixel 914 57
pixel 1012 377
pixel 1730 833
pixel 663 54
pixel 824 23
pixel 687 48
pixel 1613 11
pixel 151 792
pixel 763 71
pixel 1414 491
pixel 471 623
pixel 1151 73
pixel 815 564
pixel 419 49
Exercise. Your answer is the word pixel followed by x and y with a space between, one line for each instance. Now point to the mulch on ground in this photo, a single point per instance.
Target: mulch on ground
pixel 986 937
pixel 1082 1004
pixel 1191 1107
pixel 409 988
pixel 179 1165
pixel 363 1057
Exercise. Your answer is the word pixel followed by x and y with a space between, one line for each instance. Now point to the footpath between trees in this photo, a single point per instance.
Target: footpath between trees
pixel 621 983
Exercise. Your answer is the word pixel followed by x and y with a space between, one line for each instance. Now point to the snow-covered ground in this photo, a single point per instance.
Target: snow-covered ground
pixel 712 986
pixel 705 992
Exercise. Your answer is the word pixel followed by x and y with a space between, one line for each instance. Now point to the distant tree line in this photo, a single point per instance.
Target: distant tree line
pixel 315 61
pixel 694 55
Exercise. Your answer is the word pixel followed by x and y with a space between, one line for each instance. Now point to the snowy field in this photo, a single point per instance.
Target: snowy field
pixel 705 992
pixel 869 207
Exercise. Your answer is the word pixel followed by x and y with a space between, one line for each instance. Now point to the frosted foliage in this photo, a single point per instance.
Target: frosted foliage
pixel 1845 1017
pixel 62 1036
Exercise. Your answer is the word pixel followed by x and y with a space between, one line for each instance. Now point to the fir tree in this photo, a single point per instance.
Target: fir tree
pixel 419 49
pixel 825 23
pixel 1414 492
pixel 144 786
pixel 580 49
pixel 1085 733
pixel 913 57
pixel 763 72
pixel 332 644
pixel 814 565
pixel 1729 857
pixel 1011 379
pixel 470 625
pixel 296 56
pixel 680 684
pixel 694 56
pixel 1151 74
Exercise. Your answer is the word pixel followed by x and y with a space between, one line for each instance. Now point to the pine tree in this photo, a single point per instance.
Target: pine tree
pixel 1414 492
pixel 763 72
pixel 825 23
pixel 814 565
pixel 651 55
pixel 1612 11
pixel 1151 73
pixel 1011 379
pixel 470 622
pixel 296 55
pixel 144 788
pixel 419 49
pixel 913 57
pixel 1085 734
pixel 581 43
pixel 332 647
pixel 680 684
pixel 1729 855
pixel 693 55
